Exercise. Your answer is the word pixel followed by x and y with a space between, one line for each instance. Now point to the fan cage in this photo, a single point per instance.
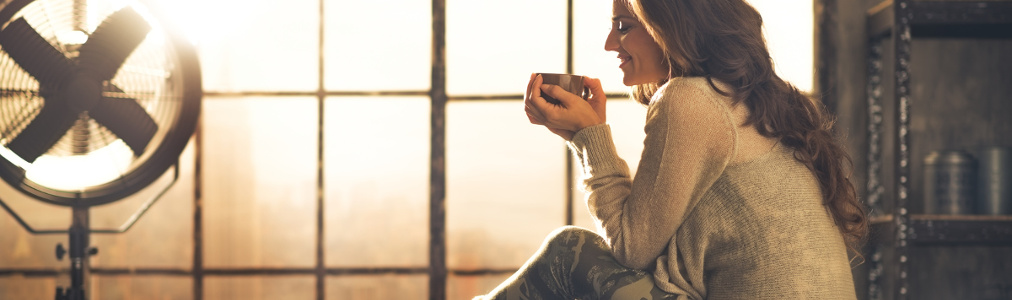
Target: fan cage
pixel 161 74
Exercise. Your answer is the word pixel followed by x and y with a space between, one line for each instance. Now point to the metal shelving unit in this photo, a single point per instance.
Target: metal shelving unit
pixel 927 230
pixel 894 228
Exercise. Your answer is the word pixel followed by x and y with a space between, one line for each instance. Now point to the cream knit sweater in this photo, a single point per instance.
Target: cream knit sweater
pixel 716 211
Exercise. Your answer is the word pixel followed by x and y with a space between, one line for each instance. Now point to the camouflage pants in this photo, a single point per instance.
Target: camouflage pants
pixel 575 263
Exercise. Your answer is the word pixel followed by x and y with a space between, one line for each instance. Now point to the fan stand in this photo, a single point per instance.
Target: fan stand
pixel 79 241
pixel 80 232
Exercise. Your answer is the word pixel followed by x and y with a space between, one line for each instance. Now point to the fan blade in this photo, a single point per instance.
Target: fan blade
pixel 34 54
pixel 128 120
pixel 52 122
pixel 112 42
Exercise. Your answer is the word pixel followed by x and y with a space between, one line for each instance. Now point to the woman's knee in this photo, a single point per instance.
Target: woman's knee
pixel 571 236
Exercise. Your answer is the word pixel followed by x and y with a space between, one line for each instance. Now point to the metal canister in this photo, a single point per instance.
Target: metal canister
pixel 994 181
pixel 949 182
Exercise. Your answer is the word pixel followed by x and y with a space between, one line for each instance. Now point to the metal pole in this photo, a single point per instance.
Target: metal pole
pixel 901 41
pixel 79 244
pixel 875 190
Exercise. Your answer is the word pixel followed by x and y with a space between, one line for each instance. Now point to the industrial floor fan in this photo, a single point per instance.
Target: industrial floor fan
pixel 98 98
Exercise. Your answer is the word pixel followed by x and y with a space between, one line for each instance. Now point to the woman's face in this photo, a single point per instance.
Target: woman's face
pixel 642 60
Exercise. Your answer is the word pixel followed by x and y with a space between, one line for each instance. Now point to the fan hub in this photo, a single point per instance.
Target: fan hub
pixel 82 93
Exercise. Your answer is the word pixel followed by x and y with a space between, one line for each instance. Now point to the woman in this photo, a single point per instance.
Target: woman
pixel 741 191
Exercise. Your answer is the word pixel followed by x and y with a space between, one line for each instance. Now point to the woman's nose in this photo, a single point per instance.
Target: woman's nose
pixel 611 42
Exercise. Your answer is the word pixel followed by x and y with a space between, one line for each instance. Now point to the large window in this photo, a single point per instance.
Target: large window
pixel 310 176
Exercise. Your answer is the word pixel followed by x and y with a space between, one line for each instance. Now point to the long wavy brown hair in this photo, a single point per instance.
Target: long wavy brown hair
pixel 723 40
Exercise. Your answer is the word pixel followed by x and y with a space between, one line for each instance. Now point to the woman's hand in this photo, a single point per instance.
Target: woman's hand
pixel 572 113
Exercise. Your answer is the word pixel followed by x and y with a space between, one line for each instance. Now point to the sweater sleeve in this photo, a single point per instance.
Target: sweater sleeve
pixel 689 141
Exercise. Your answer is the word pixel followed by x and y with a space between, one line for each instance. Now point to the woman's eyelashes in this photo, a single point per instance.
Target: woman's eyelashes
pixel 622 26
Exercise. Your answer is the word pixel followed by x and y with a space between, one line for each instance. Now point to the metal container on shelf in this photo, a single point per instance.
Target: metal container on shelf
pixel 995 181
pixel 950 185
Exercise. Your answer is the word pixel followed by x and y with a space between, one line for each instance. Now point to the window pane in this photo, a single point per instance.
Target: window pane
pixel 466 287
pixel 259 181
pixel 27 288
pixel 260 287
pixel 378 45
pixel 492 47
pixel 505 184
pixel 141 287
pixel 377 181
pixel 378 287
pixel 260 45
pixel 39 215
pixel 626 118
pixel 591 23
pixel 23 249
pixel 169 219
pixel 790 38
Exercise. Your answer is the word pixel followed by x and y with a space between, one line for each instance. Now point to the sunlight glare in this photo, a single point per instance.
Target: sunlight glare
pixel 204 20
pixel 76 172
pixel 788 28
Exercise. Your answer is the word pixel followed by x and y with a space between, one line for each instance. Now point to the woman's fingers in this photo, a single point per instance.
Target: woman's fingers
pixel 536 87
pixel 534 115
pixel 537 102
pixel 597 98
pixel 594 84
pixel 546 112
pixel 530 107
pixel 531 100
pixel 531 118
pixel 572 114
pixel 550 90
pixel 530 84
pixel 566 98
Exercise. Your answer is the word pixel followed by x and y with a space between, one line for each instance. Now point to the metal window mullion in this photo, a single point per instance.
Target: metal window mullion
pixel 437 156
pixel 198 212
pixel 320 271
pixel 248 271
pixel 569 158
pixel 372 93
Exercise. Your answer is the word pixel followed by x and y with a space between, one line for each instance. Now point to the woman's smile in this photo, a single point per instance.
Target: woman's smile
pixel 624 60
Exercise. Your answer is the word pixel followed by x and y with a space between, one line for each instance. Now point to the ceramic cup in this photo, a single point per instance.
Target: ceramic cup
pixel 569 82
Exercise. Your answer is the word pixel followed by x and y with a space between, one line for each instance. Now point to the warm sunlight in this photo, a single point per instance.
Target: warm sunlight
pixel 475 66
pixel 790 37
pixel 75 172
pixel 283 178
pixel 205 20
